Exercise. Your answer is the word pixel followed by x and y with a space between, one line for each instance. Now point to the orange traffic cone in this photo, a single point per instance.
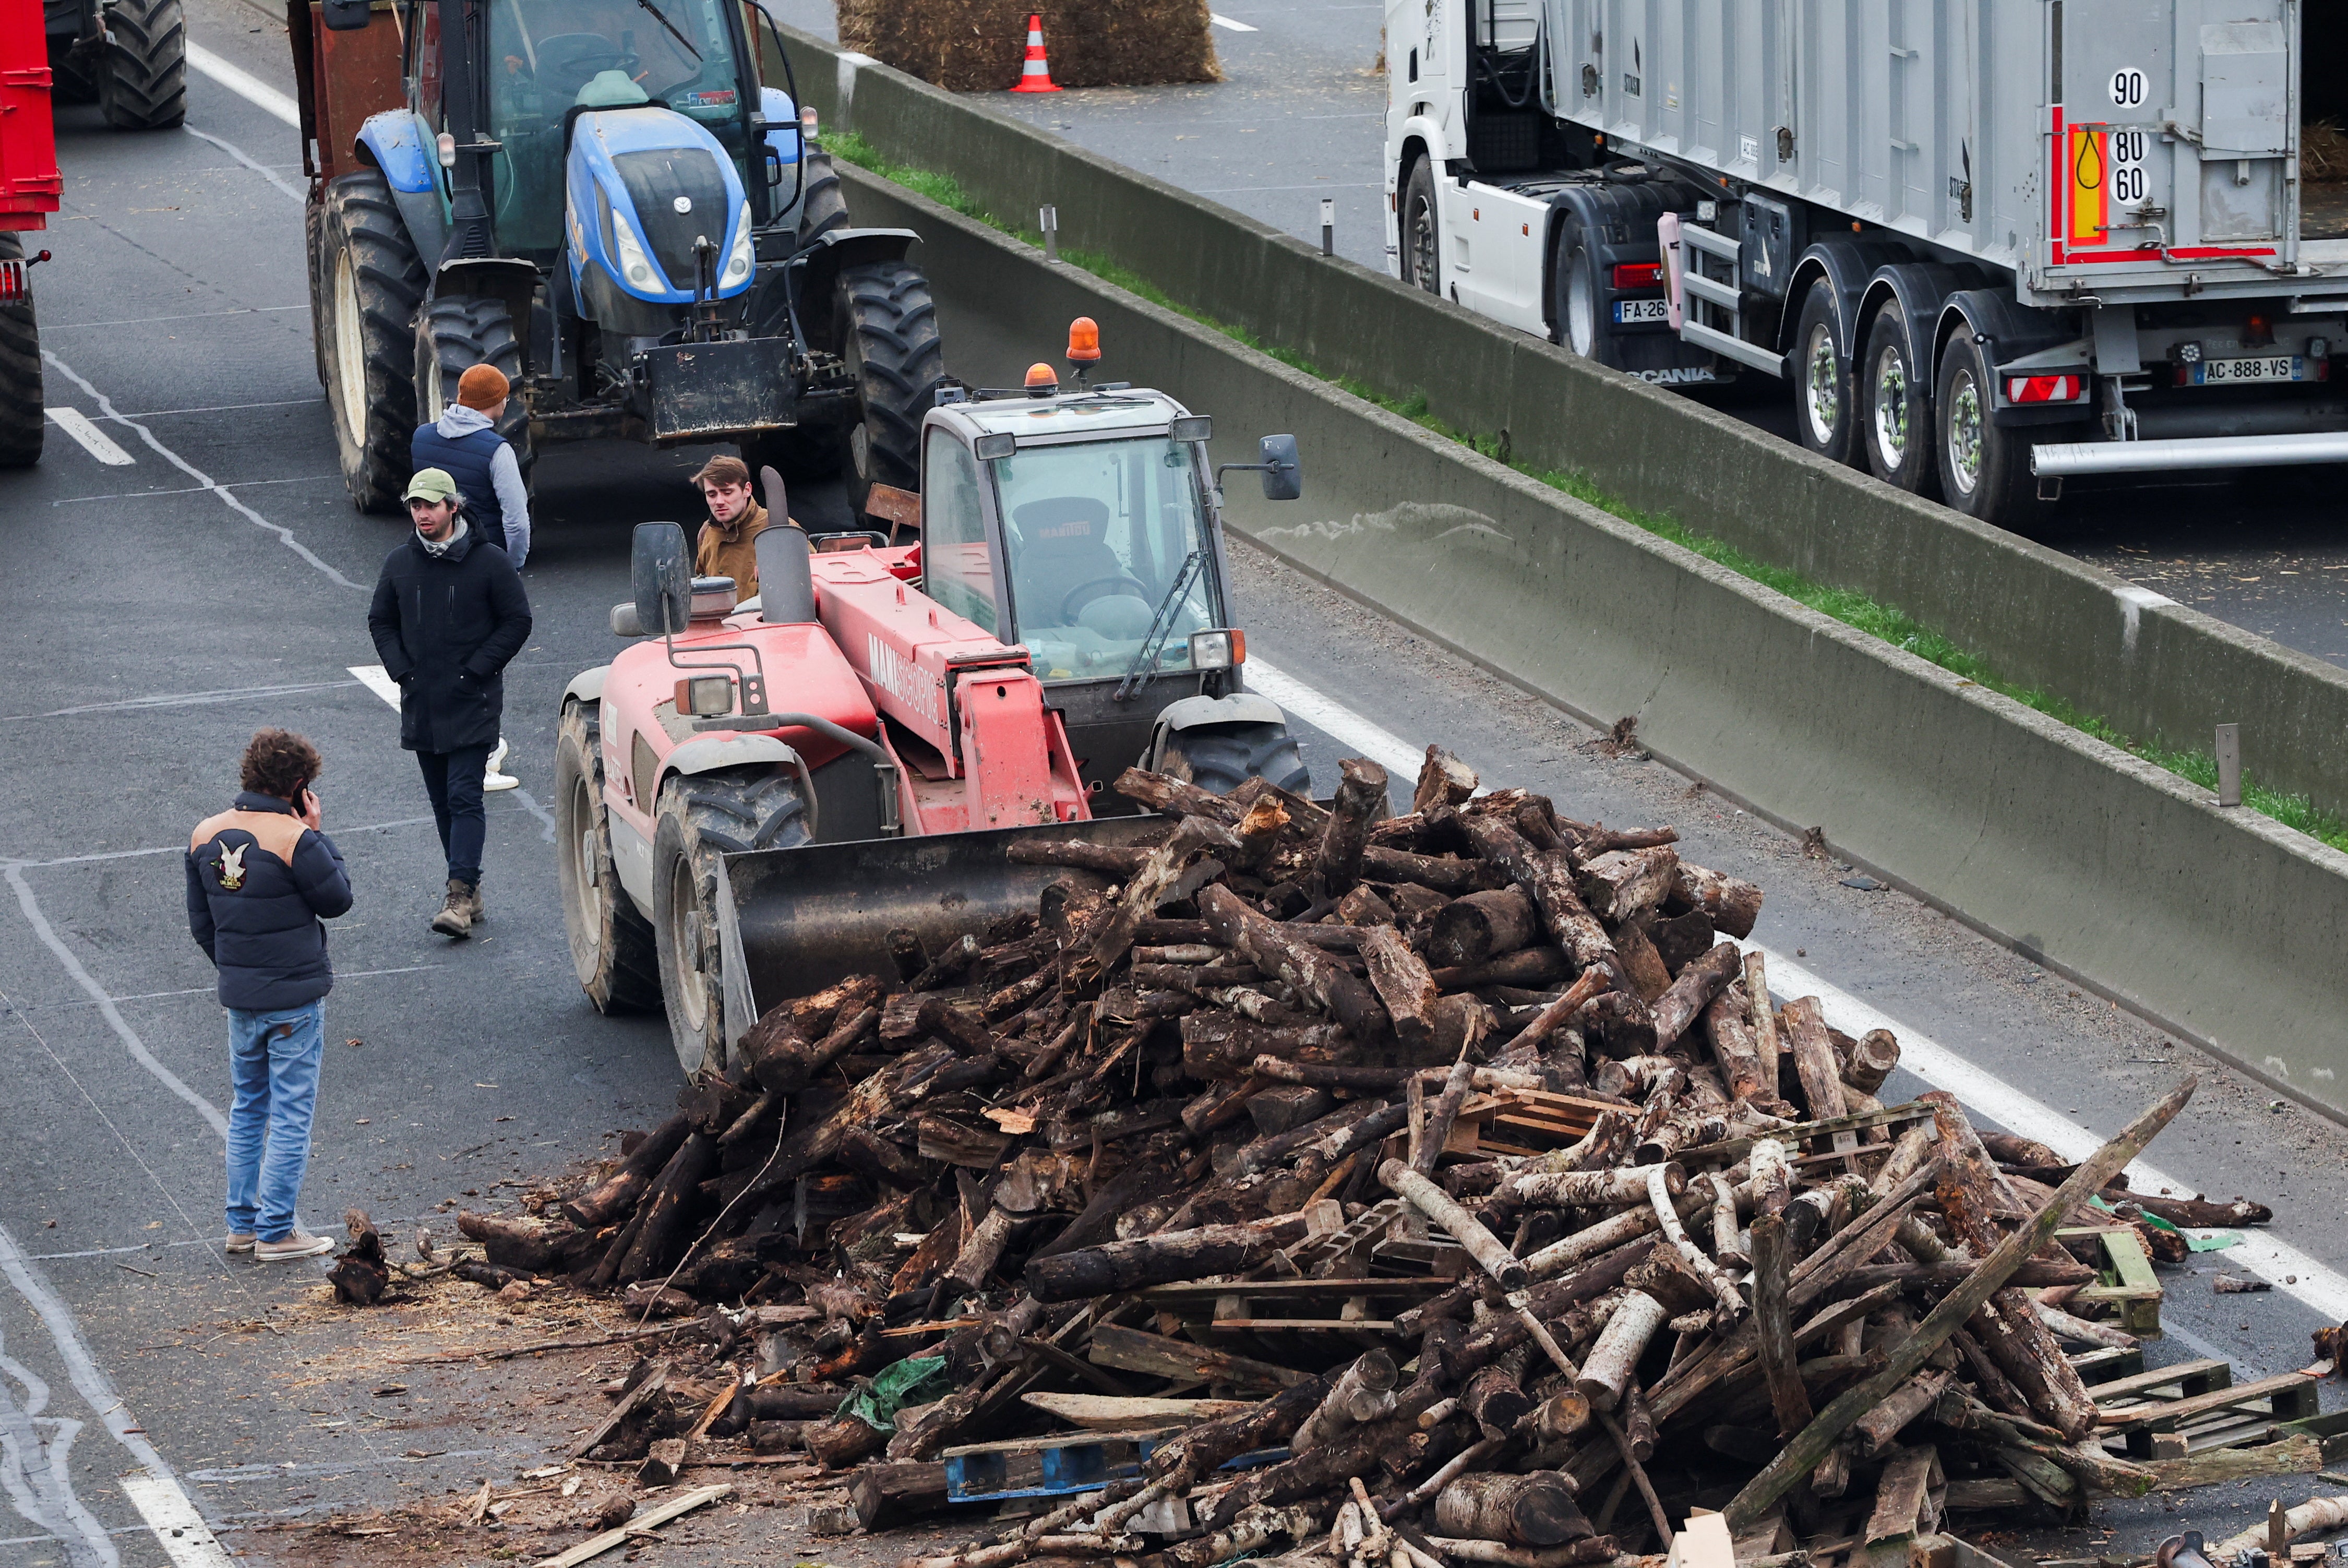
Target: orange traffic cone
pixel 1035 76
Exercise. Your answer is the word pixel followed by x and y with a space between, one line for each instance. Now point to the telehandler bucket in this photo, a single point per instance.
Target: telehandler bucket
pixel 794 921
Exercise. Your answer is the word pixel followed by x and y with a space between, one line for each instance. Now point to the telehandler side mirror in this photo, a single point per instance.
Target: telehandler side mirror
pixel 1284 476
pixel 659 576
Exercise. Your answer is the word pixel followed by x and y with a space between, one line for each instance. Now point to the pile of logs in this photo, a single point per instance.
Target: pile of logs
pixel 1659 1245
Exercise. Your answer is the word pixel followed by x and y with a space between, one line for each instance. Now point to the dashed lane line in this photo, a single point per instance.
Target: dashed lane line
pixel 241 156
pixel 94 442
pixel 2289 1269
pixel 244 85
pixel 286 535
pixel 1219 20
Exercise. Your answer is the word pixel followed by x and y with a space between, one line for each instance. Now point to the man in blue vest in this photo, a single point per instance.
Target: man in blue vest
pixel 464 444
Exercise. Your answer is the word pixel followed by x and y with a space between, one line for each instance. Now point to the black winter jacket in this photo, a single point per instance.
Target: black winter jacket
pixel 258 881
pixel 445 627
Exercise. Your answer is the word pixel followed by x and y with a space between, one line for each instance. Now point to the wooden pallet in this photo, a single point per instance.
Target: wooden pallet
pixel 2126 1292
pixel 1063 1462
pixel 1522 1122
pixel 2174 1412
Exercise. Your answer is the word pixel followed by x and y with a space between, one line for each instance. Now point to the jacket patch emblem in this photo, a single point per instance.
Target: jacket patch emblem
pixel 231 867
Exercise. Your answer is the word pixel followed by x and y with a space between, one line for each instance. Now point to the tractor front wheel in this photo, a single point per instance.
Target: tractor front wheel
pixel 611 947
pixel 373 283
pixel 22 421
pixel 142 81
pixel 701 817
pixel 1222 757
pixel 452 335
pixel 886 323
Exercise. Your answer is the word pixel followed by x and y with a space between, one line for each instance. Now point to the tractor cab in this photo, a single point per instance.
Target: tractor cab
pixel 1083 524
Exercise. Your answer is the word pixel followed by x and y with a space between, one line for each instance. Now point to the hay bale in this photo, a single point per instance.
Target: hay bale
pixel 2323 150
pixel 977 46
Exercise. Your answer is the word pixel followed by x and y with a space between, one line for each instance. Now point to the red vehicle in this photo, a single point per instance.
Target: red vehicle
pixel 749 803
pixel 29 187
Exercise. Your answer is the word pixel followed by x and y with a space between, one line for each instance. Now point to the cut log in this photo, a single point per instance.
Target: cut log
pixel 1765 1043
pixel 1532 1509
pixel 1402 983
pixel 1481 925
pixel 1443 1115
pixel 1733 905
pixel 1112 933
pixel 841 1442
pixel 1494 1397
pixel 1773 1325
pixel 1360 802
pixel 617 1194
pixel 1815 1063
pixel 1441 874
pixel 1880 1427
pixel 1628 885
pixel 1331 987
pixel 1131 1350
pixel 361 1275
pixel 1590 1189
pixel 1506 1271
pixel 1109 859
pixel 1160 1259
pixel 1547 878
pixel 1362 1392
pixel 1290 1105
pixel 667 1211
pixel 1871 1061
pixel 889 1494
pixel 1176 797
pixel 1693 991
pixel 1443 780
pixel 1607 1370
pixel 1650 976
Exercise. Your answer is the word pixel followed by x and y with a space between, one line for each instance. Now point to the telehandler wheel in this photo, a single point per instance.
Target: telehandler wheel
pixel 887 327
pixel 22 422
pixel 1222 757
pixel 371 284
pixel 452 335
pixel 699 819
pixel 611 947
pixel 142 81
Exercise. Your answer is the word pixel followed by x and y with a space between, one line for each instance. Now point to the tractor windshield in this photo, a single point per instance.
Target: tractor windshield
pixel 1096 534
pixel 547 57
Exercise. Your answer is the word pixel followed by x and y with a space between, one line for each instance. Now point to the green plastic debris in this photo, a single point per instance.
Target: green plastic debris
pixel 2216 1240
pixel 905 1382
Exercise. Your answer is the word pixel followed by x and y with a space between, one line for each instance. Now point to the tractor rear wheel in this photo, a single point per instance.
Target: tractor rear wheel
pixel 371 284
pixel 611 947
pixel 70 78
pixel 1222 757
pixel 887 327
pixel 700 818
pixel 452 335
pixel 142 81
pixel 22 421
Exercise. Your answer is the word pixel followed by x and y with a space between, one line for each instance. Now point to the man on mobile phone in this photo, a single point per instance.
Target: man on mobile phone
pixel 262 877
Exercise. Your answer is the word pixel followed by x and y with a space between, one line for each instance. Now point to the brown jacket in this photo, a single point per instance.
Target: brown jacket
pixel 730 549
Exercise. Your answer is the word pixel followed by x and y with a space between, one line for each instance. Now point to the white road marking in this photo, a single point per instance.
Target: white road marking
pixel 244 85
pixel 2259 1252
pixel 378 679
pixel 241 156
pixel 1219 20
pixel 285 534
pixel 94 442
pixel 152 1488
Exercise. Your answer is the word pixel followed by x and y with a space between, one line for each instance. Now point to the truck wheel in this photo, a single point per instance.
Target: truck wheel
pixel 142 83
pixel 611 947
pixel 1895 412
pixel 452 335
pixel 701 817
pixel 1985 468
pixel 1819 369
pixel 373 283
pixel 22 421
pixel 887 326
pixel 1422 234
pixel 1223 756
pixel 1581 298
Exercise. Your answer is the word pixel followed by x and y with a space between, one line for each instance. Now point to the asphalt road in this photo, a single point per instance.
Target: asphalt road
pixel 1300 115
pixel 159 611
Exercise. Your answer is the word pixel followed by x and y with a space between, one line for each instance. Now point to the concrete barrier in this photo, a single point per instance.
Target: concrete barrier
pixel 2151 667
pixel 2222 925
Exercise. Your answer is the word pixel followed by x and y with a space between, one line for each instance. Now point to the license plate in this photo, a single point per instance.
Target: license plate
pixel 2266 367
pixel 1630 310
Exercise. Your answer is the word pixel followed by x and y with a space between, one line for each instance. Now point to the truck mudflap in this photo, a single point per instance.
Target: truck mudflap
pixel 794 921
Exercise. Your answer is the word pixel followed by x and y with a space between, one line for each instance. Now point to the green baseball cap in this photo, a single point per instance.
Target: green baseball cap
pixel 431 484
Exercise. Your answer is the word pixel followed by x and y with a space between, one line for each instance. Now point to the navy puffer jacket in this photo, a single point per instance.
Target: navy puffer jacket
pixel 259 880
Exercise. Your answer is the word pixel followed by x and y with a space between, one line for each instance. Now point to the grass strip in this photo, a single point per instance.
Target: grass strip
pixel 1885 621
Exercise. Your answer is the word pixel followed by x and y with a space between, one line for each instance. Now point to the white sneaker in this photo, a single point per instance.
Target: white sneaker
pixel 296 1244
pixel 492 779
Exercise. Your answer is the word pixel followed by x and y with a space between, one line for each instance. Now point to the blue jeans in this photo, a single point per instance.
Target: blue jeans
pixel 274 1058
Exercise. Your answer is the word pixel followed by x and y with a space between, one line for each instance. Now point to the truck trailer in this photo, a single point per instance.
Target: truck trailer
pixel 1985 244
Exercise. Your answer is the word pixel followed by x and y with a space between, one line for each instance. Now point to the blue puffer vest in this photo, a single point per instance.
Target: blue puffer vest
pixel 467 459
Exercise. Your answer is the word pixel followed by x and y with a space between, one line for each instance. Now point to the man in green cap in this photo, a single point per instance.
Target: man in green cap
pixel 448 614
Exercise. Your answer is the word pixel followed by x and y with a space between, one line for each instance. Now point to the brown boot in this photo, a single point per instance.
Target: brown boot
pixel 455 916
pixel 481 911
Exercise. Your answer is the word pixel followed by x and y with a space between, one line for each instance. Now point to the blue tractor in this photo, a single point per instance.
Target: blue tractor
pixel 602 198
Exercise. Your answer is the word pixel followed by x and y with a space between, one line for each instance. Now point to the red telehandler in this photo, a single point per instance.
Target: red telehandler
pixel 753 798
